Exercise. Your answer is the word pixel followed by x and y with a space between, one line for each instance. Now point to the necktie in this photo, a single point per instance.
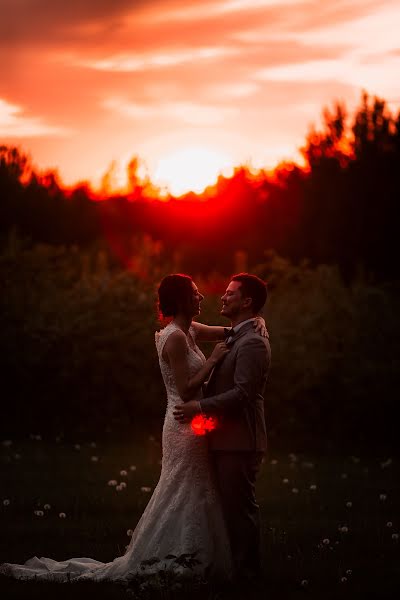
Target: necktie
pixel 228 332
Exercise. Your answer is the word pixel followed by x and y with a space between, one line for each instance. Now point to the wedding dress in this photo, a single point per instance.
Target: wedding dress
pixel 182 517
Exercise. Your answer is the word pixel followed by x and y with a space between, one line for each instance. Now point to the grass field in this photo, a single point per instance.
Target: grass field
pixel 330 524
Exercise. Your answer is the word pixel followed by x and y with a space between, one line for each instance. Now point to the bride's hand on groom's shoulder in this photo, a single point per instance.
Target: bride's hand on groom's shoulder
pixel 260 326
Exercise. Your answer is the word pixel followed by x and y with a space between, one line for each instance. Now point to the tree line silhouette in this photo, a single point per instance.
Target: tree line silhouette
pixel 340 207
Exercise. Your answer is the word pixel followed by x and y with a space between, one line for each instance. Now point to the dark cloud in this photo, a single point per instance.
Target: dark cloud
pixel 40 20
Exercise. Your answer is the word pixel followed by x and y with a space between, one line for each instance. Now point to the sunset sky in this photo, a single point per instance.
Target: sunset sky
pixel 86 82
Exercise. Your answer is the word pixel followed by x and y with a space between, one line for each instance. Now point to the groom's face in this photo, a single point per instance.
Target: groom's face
pixel 232 300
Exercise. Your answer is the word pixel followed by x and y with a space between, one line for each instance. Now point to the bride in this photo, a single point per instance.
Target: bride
pixel 183 516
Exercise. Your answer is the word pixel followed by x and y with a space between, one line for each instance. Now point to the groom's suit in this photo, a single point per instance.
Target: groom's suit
pixel 235 395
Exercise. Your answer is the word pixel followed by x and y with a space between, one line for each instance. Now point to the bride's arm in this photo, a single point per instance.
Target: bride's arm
pixel 176 351
pixel 214 333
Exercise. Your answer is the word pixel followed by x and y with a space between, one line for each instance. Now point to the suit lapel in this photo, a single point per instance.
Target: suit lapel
pixel 242 331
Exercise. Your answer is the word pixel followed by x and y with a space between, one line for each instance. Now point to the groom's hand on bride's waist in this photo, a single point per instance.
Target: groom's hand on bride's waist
pixel 186 411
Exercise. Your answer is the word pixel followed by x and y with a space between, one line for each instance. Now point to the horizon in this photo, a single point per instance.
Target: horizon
pixel 236 83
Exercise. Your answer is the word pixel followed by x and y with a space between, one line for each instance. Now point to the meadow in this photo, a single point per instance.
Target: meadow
pixel 330 523
pixel 83 405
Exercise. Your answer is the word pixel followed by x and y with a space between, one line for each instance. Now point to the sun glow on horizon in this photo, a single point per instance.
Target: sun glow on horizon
pixel 191 169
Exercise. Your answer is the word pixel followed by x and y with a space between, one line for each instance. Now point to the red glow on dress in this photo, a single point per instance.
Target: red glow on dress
pixel 202 425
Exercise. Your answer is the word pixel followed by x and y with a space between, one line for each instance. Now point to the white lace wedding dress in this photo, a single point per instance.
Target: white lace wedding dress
pixel 183 515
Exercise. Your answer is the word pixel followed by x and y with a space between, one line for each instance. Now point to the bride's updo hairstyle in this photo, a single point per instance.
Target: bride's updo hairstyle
pixel 175 294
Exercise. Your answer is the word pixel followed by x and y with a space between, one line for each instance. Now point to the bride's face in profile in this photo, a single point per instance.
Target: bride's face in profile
pixel 196 299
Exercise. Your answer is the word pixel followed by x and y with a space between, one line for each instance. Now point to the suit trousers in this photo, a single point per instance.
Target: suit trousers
pixel 236 473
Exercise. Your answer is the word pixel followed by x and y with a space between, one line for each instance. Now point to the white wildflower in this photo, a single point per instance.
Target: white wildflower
pixel 313 487
pixel 123 473
pixel 62 515
pixel 349 504
pixel 132 468
pixel 129 533
pixel 47 507
pixel 6 502
pixel 112 483
pixel 382 497
pixel 145 489
pixel 94 458
pixel 326 541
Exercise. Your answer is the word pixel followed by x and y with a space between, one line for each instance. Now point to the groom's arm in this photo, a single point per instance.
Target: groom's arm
pixel 252 362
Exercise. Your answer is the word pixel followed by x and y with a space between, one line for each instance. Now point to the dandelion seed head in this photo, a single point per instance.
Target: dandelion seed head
pixel 38 513
pixel 343 529
pixel 343 580
pixel 326 541
pixel 395 536
pixel 304 583
pixel 123 473
pixel 389 524
pixel 62 515
pixel 349 504
pixel 112 483
pixel 349 572
pixel 6 502
pixel 47 507
pixel 122 485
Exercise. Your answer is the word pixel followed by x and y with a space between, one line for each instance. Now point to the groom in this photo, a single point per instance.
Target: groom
pixel 234 395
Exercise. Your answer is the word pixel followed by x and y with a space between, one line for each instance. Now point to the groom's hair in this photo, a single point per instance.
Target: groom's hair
pixel 174 294
pixel 252 287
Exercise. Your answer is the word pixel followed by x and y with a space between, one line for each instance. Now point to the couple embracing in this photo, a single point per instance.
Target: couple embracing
pixel 204 504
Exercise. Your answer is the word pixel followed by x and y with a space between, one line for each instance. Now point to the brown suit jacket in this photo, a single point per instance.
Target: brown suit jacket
pixel 234 394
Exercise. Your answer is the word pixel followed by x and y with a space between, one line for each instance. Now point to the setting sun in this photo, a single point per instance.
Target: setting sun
pixel 191 169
